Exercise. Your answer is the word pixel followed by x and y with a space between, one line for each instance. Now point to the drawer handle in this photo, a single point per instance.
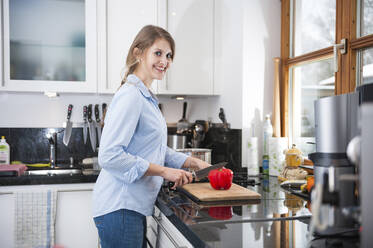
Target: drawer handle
pixel 158 219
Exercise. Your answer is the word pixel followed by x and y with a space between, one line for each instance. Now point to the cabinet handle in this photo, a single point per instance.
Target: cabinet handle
pixel 158 219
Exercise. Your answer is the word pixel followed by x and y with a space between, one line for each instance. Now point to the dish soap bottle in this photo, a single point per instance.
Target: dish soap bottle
pixel 267 133
pixel 4 151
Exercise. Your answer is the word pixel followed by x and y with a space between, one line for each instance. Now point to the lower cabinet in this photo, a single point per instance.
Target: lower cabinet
pixel 162 233
pixel 74 226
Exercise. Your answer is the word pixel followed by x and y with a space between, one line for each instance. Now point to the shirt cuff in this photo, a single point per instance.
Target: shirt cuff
pixel 142 167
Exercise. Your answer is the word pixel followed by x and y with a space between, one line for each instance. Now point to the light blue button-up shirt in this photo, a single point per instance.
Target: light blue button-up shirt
pixel 135 134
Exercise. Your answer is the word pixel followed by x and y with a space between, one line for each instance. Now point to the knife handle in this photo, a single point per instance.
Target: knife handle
pixel 97 113
pixel 104 106
pixel 85 113
pixel 89 112
pixel 69 110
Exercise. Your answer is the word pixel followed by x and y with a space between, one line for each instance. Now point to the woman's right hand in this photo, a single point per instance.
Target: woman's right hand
pixel 178 176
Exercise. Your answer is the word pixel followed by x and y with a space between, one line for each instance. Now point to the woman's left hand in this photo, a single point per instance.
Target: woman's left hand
pixel 195 163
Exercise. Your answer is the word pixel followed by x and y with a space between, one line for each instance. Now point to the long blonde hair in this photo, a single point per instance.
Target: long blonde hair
pixel 143 40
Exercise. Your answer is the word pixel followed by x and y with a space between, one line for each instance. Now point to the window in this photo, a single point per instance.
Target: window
pixel 310 71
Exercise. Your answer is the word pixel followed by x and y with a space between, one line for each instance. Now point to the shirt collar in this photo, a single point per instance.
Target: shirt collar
pixel 143 89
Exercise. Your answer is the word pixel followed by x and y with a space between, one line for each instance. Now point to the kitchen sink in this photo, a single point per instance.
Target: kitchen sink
pixel 52 172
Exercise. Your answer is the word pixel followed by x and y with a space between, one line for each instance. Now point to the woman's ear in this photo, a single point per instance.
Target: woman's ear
pixel 137 53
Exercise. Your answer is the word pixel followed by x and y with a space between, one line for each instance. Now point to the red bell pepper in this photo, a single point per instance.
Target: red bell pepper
pixel 221 213
pixel 221 178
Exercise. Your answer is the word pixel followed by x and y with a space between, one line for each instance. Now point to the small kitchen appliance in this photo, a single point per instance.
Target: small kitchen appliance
pixel 336 187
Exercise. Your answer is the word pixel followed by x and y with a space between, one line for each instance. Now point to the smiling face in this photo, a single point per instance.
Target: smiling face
pixel 154 62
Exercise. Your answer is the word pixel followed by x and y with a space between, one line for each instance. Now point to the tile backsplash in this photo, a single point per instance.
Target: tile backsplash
pixel 30 145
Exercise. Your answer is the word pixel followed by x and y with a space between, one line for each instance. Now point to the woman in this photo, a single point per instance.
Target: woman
pixel 133 151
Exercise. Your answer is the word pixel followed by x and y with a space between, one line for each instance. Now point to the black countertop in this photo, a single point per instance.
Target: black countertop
pixel 279 219
pixel 56 179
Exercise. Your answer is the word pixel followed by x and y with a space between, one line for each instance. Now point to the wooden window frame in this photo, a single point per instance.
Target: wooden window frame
pixel 345 28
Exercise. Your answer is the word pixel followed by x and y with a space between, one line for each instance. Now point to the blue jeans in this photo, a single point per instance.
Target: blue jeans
pixel 121 228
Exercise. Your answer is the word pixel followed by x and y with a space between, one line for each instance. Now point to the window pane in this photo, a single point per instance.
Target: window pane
pixel 47 40
pixel 309 83
pixel 366 17
pixel 367 70
pixel 314 25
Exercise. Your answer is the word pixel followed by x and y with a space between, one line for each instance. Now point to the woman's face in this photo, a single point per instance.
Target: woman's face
pixel 155 61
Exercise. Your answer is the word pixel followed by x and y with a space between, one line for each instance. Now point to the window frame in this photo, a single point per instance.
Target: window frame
pixel 345 78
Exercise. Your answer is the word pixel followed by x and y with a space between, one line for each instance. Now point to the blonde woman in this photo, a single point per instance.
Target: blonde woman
pixel 133 151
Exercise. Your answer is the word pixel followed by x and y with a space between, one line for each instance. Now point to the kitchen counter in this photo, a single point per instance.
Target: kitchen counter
pixel 279 219
pixel 56 179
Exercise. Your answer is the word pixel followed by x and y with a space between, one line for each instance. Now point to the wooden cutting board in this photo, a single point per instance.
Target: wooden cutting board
pixel 204 192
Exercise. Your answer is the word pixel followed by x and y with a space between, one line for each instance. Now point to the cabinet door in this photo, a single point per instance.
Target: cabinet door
pixel 50 45
pixel 191 24
pixel 7 220
pixel 167 234
pixel 74 222
pixel 124 19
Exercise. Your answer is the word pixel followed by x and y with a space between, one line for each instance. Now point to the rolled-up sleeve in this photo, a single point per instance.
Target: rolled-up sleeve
pixel 174 159
pixel 120 124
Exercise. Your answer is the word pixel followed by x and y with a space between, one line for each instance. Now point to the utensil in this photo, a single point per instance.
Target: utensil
pixel 200 153
pixel 98 123
pixel 104 109
pixel 177 141
pixel 69 125
pixel 92 128
pixel 85 124
pixel 198 175
pixel 183 124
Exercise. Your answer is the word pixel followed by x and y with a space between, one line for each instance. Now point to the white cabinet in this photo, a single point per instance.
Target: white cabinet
pixel 119 22
pixel 191 24
pixel 162 233
pixel 49 46
pixel 74 222
pixel 74 226
pixel 7 220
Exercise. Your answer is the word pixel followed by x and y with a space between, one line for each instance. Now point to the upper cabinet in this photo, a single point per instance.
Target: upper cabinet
pixel 81 45
pixel 49 45
pixel 191 24
pixel 119 22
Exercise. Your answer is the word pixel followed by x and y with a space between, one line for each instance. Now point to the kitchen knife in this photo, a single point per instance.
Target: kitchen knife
pixel 98 123
pixel 104 108
pixel 69 125
pixel 198 175
pixel 92 128
pixel 85 124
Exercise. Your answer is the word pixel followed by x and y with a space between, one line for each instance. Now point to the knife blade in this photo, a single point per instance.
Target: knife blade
pixel 198 175
pixel 85 124
pixel 69 125
pixel 92 128
pixel 98 123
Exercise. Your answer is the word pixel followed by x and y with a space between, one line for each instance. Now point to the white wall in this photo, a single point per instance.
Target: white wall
pixel 37 110
pixel 247 38
pixel 262 36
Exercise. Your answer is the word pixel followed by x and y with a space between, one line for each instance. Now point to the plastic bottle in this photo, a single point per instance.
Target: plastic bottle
pixel 267 133
pixel 4 151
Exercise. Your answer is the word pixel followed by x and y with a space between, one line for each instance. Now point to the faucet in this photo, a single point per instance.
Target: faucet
pixel 52 138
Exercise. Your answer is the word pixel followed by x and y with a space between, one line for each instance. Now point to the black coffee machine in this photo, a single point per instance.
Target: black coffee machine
pixel 336 124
